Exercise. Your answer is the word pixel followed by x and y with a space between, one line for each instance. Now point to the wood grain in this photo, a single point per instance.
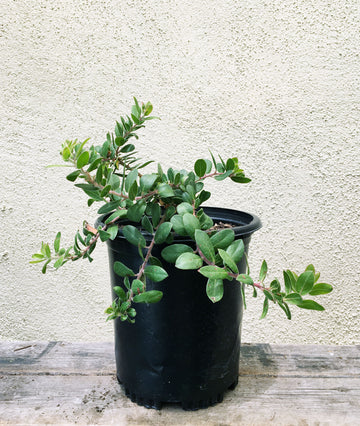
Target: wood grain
pixel 68 383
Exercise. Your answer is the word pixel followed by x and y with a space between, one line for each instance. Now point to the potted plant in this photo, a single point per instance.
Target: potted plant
pixel 164 244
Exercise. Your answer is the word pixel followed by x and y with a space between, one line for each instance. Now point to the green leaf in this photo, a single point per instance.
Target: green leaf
pixel 134 236
pixel 120 292
pixel 119 141
pixel 275 286
pixel 104 236
pixel 305 282
pixel 112 230
pixel 243 296
pixel 136 211
pixel 83 159
pixel 162 232
pixel 155 214
pixel 204 196
pixel 183 208
pixel 137 286
pixel 117 214
pixel 321 288
pixel 94 165
pixel 293 278
pixel 178 225
pixel 122 270
pixel 214 272
pixel 165 190
pixel 155 273
pixel 148 109
pixel 130 179
pixel 59 262
pixel 73 175
pixel 265 308
pixel 191 223
pixel 108 207
pixel 293 298
pixel 188 261
pixel 105 191
pixel 146 224
pixel 236 250
pixel 205 245
pixel 152 296
pixel 133 191
pixel 222 239
pixel 286 309
pixel 269 295
pixel 127 148
pixel 240 179
pixel 171 253
pixel 228 261
pixel 208 166
pixel 66 155
pixel 205 221
pixel 215 289
pixel 263 271
pixel 147 182
pixel 287 282
pixel 230 164
pixel 200 167
pixel 245 279
pixel 310 304
pixel 57 242
pixel 223 176
pixel 169 212
pixel 155 261
pixel 310 268
pixel 39 256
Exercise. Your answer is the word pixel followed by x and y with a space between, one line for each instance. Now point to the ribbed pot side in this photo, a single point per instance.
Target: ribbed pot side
pixel 184 349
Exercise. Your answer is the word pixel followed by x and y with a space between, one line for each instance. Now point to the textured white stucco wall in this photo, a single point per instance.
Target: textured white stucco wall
pixel 274 82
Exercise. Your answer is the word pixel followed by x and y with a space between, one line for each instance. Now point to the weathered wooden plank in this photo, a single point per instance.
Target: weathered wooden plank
pixel 279 384
pixel 96 399
pixel 57 357
pixel 98 358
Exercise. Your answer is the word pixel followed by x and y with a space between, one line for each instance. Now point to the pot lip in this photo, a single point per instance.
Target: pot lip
pixel 245 224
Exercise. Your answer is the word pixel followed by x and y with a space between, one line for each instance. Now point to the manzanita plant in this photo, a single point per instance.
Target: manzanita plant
pixel 164 204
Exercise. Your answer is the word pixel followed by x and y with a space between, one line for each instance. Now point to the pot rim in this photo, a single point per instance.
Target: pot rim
pixel 244 223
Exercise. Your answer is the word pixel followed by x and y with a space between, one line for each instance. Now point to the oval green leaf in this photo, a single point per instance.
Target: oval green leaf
pixel 152 296
pixel 222 239
pixel 203 241
pixel 191 223
pixel 171 253
pixel 122 270
pixel 305 282
pixel 215 290
pixel 163 232
pixel 228 261
pixel 83 159
pixel 200 167
pixel 321 288
pixel 155 273
pixel 134 236
pixel 236 250
pixel 310 304
pixel 188 261
pixel 214 272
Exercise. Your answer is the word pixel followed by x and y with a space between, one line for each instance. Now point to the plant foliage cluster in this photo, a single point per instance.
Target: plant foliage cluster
pixel 164 203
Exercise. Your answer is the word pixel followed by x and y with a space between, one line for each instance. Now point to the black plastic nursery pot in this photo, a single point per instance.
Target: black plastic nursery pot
pixel 184 349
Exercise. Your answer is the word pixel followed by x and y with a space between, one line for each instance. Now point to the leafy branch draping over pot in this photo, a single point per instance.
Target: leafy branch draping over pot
pixel 163 204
